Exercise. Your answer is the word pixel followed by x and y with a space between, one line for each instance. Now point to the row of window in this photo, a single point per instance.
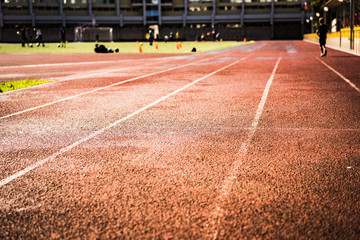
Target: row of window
pixel 138 1
pixel 64 1
pixel 166 9
pixel 190 9
pixel 166 26
pixel 229 25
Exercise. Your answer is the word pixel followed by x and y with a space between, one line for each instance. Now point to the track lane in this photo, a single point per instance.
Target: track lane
pixel 341 76
pixel 20 59
pixel 301 170
pixel 69 70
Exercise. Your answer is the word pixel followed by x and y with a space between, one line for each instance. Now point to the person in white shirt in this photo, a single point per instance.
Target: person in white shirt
pixel 38 37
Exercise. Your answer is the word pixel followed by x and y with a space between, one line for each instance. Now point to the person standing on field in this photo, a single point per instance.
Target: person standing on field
pixel 24 36
pixel 38 37
pixel 151 36
pixel 321 31
pixel 62 34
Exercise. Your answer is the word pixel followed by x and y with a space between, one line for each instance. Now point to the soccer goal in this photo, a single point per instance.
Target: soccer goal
pixel 91 34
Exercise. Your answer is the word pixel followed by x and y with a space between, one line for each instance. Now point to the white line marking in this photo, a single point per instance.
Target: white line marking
pixel 310 129
pixel 103 73
pixel 340 75
pixel 77 63
pixel 96 133
pixel 96 73
pixel 229 181
pixel 13 75
pixel 63 64
pixel 101 88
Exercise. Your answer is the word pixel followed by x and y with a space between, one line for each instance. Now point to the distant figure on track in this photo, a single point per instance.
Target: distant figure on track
pixel 321 31
pixel 62 35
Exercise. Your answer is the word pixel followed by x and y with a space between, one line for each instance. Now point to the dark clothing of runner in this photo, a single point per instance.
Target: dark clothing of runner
pixel 321 32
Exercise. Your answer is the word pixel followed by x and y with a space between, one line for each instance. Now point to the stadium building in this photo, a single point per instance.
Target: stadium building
pixel 124 20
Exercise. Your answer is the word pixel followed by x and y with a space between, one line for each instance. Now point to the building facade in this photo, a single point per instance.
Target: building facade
pixel 130 19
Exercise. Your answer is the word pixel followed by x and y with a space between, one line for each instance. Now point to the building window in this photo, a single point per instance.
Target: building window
pixel 103 1
pixel 16 1
pixel 136 1
pixel 75 1
pixel 45 1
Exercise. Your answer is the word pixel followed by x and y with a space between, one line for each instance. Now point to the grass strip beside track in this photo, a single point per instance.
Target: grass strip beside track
pixel 124 47
pixel 8 86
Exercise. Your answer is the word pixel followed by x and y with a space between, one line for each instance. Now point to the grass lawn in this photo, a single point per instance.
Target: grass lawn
pixel 124 47
pixel 8 86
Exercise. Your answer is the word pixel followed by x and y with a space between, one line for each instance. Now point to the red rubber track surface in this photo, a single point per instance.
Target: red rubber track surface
pixel 182 146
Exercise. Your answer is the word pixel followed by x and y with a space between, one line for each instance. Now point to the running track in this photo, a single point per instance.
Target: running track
pixel 255 142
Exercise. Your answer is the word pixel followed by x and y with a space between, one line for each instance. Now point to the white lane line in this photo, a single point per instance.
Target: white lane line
pixel 340 75
pixel 102 73
pixel 63 64
pixel 331 130
pixel 105 72
pixel 101 88
pixel 96 133
pixel 76 63
pixel 229 180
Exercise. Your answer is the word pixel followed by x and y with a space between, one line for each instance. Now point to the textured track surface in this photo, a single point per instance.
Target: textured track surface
pixel 255 142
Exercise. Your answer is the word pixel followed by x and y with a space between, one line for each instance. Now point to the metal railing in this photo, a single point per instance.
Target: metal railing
pixel 347 43
pixel 340 40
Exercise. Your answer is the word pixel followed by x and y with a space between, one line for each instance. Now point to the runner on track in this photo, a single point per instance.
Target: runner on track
pixel 321 31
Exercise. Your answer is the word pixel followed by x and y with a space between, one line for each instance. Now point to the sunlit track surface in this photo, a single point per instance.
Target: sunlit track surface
pixel 256 142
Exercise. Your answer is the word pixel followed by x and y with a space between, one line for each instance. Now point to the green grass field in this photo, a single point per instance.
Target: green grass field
pixel 8 86
pixel 124 47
